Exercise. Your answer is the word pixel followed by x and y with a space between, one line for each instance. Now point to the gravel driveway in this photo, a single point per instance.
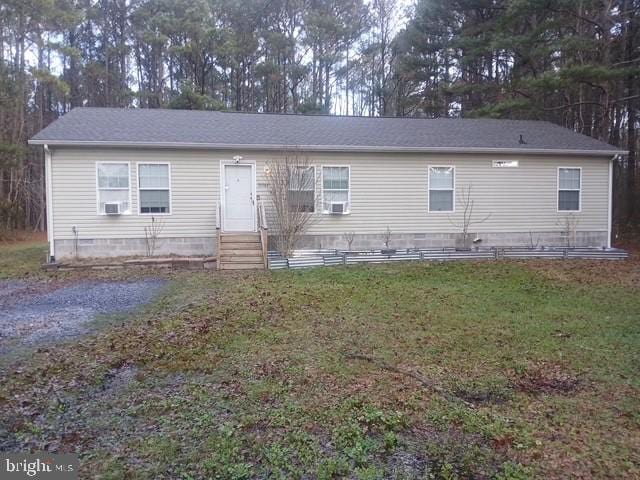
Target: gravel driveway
pixel 34 313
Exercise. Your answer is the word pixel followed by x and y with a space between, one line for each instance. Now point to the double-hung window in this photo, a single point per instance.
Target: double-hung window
pixel 113 186
pixel 569 185
pixel 336 182
pixel 154 188
pixel 302 189
pixel 441 189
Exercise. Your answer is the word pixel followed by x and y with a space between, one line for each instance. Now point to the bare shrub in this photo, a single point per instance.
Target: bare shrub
pixel 151 235
pixel 349 238
pixel 569 225
pixel 76 241
pixel 386 235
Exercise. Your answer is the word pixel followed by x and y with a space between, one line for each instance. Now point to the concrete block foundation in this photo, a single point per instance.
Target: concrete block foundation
pixel 438 240
pixel 133 247
pixel 207 246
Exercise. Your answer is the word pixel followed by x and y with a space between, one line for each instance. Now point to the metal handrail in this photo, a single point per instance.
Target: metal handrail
pixel 264 236
pixel 218 232
pixel 262 217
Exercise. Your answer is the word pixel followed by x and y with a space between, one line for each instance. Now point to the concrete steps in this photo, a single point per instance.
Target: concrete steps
pixel 240 251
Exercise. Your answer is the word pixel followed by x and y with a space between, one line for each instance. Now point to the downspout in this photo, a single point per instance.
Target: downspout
pixel 47 174
pixel 610 210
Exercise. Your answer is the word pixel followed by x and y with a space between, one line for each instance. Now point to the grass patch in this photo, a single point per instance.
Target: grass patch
pixel 489 370
pixel 20 260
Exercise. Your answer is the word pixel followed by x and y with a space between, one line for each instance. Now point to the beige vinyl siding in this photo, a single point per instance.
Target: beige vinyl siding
pixel 392 190
pixel 386 190
pixel 194 193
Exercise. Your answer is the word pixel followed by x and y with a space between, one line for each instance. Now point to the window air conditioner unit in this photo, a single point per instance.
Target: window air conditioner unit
pixel 112 208
pixel 338 208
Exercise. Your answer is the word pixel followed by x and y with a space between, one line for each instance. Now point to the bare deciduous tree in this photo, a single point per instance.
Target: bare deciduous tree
pixel 467 214
pixel 151 234
pixel 291 182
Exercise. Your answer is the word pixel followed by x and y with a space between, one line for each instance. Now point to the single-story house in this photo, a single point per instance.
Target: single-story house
pixel 203 175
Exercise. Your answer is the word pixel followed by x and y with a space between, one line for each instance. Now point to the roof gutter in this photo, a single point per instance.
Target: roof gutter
pixel 323 148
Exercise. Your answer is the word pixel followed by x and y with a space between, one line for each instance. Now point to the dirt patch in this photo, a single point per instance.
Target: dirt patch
pixel 624 273
pixel 403 464
pixel 479 391
pixel 119 378
pixel 448 453
pixel 547 378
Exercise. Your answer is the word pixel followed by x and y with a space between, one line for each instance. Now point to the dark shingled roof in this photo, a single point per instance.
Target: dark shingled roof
pixel 144 127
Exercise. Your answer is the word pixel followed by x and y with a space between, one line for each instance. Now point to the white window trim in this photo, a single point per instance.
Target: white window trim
pixel 315 186
pixel 327 212
pixel 579 190
pixel 168 164
pixel 453 190
pixel 113 162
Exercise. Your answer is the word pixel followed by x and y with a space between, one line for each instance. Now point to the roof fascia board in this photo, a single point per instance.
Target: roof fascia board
pixel 324 148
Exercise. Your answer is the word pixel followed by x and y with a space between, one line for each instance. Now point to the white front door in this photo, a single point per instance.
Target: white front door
pixel 239 210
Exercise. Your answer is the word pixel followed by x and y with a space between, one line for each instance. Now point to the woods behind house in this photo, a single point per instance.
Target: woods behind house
pixel 575 63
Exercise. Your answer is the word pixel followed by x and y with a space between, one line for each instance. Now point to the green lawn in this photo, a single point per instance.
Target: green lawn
pixel 22 259
pixel 486 370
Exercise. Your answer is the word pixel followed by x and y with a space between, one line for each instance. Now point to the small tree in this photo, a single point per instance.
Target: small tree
pixel 467 214
pixel 151 234
pixel 291 184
